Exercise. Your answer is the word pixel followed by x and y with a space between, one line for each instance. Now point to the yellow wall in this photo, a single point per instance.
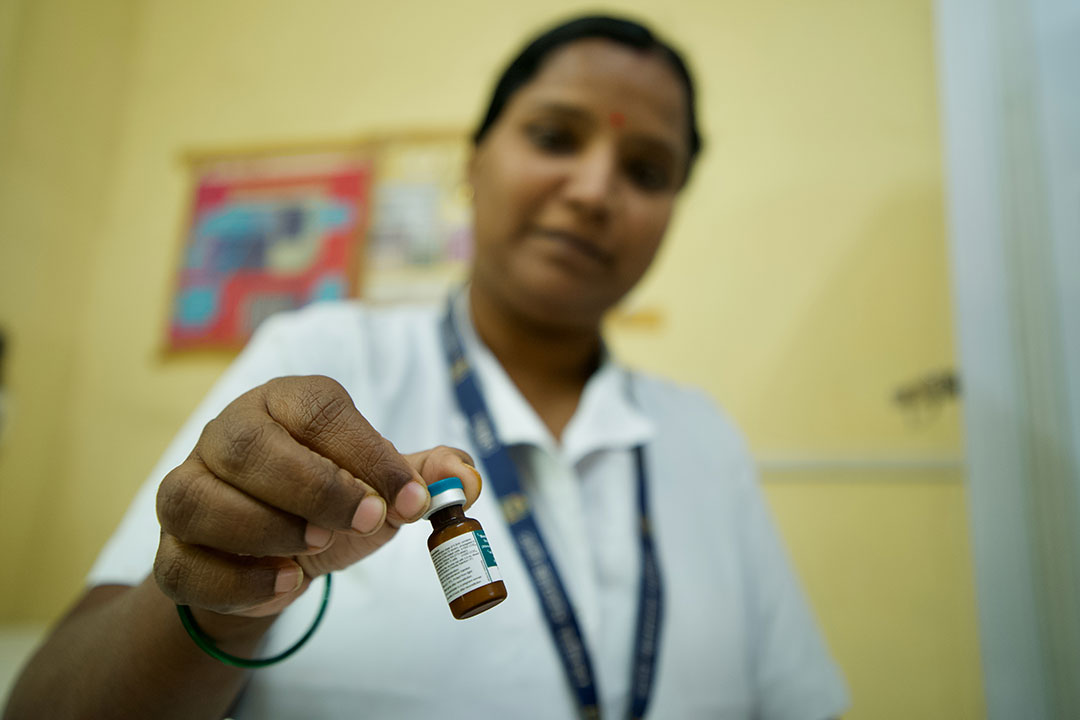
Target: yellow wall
pixel 62 94
pixel 804 278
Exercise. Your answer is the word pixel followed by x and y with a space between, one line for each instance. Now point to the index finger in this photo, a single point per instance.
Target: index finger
pixel 319 413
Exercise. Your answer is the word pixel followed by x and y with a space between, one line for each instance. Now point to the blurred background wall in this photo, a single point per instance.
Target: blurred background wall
pixel 804 280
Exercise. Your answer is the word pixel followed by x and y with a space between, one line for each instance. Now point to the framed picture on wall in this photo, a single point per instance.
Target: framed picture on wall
pixel 419 241
pixel 267 232
pixel 386 218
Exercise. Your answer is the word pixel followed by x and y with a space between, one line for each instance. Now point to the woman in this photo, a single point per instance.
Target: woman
pixel 647 574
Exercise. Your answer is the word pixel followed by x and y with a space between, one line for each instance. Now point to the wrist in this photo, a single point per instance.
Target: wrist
pixel 219 648
pixel 233 633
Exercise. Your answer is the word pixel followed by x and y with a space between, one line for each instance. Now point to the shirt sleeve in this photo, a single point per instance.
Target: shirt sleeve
pixel 129 554
pixel 795 676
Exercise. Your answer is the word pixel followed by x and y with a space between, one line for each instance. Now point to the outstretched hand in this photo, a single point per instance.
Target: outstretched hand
pixel 289 482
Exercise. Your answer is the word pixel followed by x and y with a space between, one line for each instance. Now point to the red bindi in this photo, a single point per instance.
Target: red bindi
pixel 617 119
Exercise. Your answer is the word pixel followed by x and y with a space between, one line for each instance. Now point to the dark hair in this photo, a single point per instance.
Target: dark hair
pixel 620 30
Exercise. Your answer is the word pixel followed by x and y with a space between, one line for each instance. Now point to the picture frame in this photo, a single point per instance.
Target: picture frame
pixel 386 218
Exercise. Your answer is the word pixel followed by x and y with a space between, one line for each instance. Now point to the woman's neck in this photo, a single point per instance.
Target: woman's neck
pixel 549 364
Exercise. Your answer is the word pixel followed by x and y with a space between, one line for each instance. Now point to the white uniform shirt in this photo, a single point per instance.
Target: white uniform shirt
pixel 737 639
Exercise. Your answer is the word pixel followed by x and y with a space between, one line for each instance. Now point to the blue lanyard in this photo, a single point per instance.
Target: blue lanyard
pixel 503 475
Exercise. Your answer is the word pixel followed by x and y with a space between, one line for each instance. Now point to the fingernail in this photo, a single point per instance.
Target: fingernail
pixel 369 514
pixel 288 579
pixel 412 500
pixel 479 480
pixel 317 537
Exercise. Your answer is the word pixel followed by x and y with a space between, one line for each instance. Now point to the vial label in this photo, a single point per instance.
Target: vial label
pixel 464 563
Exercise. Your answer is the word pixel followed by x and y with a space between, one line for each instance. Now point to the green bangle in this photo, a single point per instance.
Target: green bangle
pixel 207 645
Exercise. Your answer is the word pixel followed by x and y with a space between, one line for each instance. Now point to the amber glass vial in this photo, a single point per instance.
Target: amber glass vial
pixel 459 549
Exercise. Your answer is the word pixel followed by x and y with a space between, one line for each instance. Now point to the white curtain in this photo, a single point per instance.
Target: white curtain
pixel 1010 100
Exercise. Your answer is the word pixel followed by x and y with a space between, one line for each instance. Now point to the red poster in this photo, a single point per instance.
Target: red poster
pixel 267 234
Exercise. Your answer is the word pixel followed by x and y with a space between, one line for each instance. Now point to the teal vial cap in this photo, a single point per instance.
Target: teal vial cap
pixel 445 492
pixel 445 484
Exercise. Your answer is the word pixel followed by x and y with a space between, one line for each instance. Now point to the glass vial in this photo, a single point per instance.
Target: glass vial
pixel 459 549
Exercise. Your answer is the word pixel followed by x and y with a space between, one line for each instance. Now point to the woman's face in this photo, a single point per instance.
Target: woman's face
pixel 575 182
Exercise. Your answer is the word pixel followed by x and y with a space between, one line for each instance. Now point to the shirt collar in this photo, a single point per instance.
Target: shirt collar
pixel 606 416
